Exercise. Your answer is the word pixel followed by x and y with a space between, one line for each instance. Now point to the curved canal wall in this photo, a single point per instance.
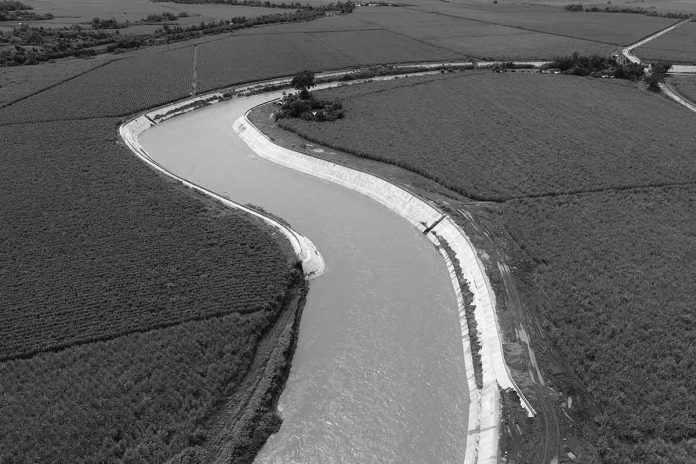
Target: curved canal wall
pixel 484 408
pixel 312 261
pixel 484 412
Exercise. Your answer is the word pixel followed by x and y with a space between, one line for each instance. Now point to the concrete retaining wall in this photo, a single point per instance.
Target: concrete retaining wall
pixel 484 412
pixel 312 261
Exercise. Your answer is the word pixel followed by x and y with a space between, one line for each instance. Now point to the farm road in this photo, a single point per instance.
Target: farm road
pixel 669 90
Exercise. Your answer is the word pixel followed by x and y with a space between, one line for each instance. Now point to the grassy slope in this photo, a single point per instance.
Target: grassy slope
pixel 610 273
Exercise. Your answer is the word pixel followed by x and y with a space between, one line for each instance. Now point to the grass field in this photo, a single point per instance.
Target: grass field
pixel 492 115
pixel 678 46
pixel 598 210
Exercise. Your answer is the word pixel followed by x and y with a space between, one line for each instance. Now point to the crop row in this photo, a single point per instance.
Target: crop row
pixel 140 399
pixel 95 245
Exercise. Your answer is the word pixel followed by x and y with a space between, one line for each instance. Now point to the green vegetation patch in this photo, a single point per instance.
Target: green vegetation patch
pixel 97 246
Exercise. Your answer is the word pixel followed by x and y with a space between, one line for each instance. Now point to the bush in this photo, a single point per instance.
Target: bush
pixel 309 109
pixel 631 71
pixel 658 72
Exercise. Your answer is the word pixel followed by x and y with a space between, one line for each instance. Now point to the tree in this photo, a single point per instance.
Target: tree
pixel 657 74
pixel 303 81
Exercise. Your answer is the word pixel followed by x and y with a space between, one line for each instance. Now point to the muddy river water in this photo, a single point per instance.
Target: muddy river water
pixel 378 375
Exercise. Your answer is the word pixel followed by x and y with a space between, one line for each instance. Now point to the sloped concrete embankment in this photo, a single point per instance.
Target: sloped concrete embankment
pixel 312 261
pixel 484 410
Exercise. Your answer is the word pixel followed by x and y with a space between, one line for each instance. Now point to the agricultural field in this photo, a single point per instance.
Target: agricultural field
pixel 678 46
pixel 235 59
pixel 60 302
pixel 685 85
pixel 493 112
pixel 618 265
pixel 21 81
pixel 142 397
pixel 476 39
pixel 119 88
pixel 607 28
pixel 151 300
pixel 597 214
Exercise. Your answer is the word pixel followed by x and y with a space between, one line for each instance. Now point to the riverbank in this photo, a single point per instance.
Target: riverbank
pixel 381 356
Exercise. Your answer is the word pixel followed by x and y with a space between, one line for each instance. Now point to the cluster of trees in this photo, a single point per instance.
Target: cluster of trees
pixel 112 23
pixel 656 75
pixel 11 10
pixel 632 10
pixel 304 105
pixel 346 7
pixel 596 66
pixel 599 66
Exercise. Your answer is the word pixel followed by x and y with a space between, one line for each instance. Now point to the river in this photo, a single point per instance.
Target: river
pixel 378 374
